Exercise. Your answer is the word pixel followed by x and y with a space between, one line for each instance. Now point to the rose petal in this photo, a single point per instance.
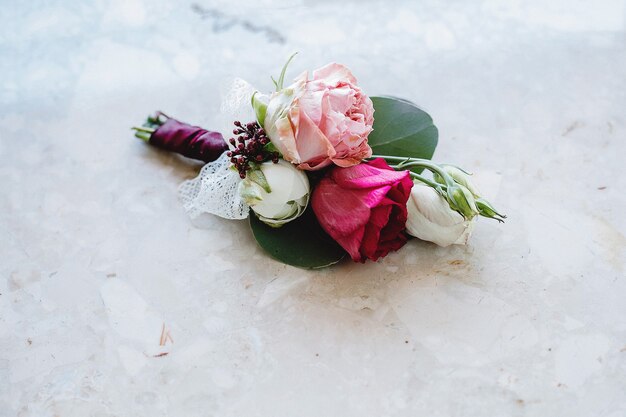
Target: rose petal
pixel 311 104
pixel 362 152
pixel 378 219
pixel 312 143
pixel 334 73
pixel 367 175
pixel 344 210
pixel 341 99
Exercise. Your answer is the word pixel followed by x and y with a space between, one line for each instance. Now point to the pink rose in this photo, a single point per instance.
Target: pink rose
pixel 323 120
pixel 363 208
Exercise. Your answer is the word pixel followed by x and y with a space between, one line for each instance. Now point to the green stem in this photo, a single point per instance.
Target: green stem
pixel 143 136
pixel 152 123
pixel 403 163
pixel 418 162
pixel 398 158
pixel 143 129
pixel 425 180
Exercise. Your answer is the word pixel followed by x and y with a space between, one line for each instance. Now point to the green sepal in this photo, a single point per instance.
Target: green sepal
pixel 256 175
pixel 459 175
pixel 260 107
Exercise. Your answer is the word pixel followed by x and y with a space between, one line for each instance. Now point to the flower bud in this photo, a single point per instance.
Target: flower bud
pixel 487 210
pixel 430 218
pixel 462 200
pixel 277 193
pixel 460 177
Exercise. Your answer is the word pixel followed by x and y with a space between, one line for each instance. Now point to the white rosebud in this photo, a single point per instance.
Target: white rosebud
pixel 278 193
pixel 431 218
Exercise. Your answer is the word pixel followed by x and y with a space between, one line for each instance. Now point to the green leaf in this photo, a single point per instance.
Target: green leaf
pixel 301 242
pixel 402 129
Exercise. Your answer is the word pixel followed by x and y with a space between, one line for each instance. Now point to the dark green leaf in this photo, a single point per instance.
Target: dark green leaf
pixel 301 242
pixel 402 129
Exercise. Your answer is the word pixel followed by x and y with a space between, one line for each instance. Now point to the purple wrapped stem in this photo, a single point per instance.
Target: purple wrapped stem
pixel 190 141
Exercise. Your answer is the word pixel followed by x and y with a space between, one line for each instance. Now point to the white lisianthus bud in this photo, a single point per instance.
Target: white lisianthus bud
pixel 431 218
pixel 463 178
pixel 277 193
pixel 462 200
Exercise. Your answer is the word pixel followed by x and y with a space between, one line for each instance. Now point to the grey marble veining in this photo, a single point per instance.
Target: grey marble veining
pixel 114 303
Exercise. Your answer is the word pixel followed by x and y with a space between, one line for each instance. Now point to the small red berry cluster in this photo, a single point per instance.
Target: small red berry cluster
pixel 249 147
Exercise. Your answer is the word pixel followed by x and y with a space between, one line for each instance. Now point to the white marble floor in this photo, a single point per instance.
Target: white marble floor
pixel 113 303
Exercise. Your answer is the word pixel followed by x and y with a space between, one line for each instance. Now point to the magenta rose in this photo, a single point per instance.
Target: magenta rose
pixel 363 207
pixel 322 120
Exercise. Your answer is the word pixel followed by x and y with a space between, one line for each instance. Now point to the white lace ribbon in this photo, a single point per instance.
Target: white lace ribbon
pixel 215 191
pixel 236 104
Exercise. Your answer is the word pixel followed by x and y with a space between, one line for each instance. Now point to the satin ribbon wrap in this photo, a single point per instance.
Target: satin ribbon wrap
pixel 190 141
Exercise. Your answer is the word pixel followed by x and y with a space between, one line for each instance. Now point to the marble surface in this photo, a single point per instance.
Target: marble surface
pixel 114 303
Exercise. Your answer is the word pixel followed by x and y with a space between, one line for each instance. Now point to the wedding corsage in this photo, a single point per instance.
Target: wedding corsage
pixel 322 170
